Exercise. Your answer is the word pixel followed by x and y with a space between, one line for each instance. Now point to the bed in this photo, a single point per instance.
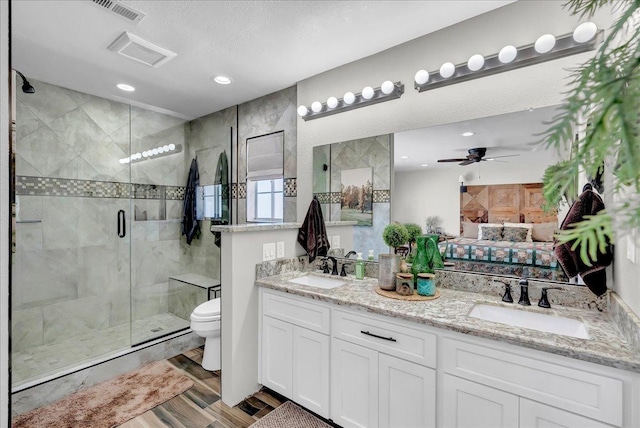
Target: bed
pixel 495 255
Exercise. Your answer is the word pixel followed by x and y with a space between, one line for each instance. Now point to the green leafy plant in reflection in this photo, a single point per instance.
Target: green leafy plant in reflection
pixel 414 231
pixel 605 91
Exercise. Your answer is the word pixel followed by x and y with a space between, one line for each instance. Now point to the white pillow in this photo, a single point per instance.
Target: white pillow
pixel 528 226
pixel 481 225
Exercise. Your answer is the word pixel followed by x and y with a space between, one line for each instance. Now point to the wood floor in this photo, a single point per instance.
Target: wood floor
pixel 201 406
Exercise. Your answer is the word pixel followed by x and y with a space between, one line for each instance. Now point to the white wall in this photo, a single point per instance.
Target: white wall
pixel 4 214
pixel 418 194
pixel 518 23
pixel 241 251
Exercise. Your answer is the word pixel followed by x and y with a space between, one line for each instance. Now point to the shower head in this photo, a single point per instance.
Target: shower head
pixel 26 86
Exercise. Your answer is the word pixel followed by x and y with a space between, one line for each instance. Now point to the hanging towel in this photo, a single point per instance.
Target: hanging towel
pixel 190 226
pixel 313 234
pixel 222 178
pixel 594 276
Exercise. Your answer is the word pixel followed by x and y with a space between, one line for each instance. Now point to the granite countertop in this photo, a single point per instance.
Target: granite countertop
pixel 605 346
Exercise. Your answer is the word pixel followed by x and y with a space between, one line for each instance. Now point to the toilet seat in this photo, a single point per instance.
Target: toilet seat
pixel 207 311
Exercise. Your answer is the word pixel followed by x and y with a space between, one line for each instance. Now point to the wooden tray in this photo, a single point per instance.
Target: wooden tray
pixel 415 298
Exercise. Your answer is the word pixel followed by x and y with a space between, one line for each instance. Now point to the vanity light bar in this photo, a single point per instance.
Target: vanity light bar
pixel 387 91
pixel 546 48
pixel 167 149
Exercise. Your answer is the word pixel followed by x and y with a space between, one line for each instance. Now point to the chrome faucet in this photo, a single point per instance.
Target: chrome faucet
pixel 524 292
pixel 349 254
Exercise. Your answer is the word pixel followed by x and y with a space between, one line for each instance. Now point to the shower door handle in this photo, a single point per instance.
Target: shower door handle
pixel 122 224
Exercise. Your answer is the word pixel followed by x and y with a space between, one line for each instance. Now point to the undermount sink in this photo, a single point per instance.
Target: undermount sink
pixel 318 281
pixel 532 320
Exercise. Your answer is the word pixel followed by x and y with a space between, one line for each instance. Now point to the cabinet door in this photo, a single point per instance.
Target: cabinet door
pixel 311 370
pixel 276 355
pixel 354 385
pixel 407 394
pixel 537 415
pixel 467 404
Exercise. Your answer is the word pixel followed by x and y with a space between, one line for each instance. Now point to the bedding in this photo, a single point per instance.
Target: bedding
pixel 506 252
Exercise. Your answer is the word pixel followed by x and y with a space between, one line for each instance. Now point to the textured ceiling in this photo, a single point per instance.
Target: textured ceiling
pixel 504 135
pixel 263 46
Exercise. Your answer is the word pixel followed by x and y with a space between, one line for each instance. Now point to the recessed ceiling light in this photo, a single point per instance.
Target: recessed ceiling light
pixel 404 157
pixel 467 134
pixel 125 87
pixel 425 164
pixel 222 80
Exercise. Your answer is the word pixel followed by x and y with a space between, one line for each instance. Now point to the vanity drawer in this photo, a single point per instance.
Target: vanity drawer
pixel 573 389
pixel 386 336
pixel 296 311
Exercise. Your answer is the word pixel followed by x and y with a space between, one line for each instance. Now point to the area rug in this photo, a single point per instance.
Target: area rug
pixel 289 415
pixel 110 403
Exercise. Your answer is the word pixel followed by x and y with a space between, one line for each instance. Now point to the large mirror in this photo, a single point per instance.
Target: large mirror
pixel 450 178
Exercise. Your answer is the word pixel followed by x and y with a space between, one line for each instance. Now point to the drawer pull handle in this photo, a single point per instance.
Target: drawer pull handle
pixel 390 339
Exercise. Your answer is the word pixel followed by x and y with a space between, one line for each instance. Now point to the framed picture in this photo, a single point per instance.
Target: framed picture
pixel 357 196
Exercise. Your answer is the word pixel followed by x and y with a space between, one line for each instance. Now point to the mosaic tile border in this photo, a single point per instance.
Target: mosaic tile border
pixel 323 198
pixel 290 187
pixel 242 190
pixel 381 196
pixel 49 186
pixel 234 190
pixel 335 197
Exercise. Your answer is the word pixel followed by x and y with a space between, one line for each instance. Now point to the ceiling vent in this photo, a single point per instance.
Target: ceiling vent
pixel 122 10
pixel 138 49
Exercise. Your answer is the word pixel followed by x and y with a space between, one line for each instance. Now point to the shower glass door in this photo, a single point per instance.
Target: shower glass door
pixel 70 285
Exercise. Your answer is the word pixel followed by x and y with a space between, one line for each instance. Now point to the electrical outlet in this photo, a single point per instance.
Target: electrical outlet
pixel 631 246
pixel 335 243
pixel 268 251
pixel 280 250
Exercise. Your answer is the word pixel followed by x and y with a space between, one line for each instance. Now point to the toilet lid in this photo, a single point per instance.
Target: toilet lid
pixel 208 309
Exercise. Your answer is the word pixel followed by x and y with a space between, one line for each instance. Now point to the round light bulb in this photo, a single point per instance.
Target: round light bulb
pixel 222 80
pixel 387 87
pixel 125 87
pixel 507 54
pixel 367 92
pixel 332 102
pixel 316 107
pixel 161 149
pixel 122 161
pixel 447 69
pixel 138 155
pixel 166 148
pixel 585 32
pixel 421 77
pixel 545 43
pixel 145 154
pixel 155 151
pixel 476 62
pixel 172 147
pixel 349 98
pixel 303 111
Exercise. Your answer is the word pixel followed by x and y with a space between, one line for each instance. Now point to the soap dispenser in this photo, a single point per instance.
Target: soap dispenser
pixel 371 256
pixel 359 267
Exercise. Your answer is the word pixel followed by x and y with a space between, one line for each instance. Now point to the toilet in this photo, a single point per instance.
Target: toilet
pixel 205 322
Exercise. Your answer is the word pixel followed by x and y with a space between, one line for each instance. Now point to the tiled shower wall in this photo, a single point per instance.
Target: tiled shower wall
pixel 371 152
pixel 271 113
pixel 71 272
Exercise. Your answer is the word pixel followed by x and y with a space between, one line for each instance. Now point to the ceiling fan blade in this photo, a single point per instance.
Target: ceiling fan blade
pixel 452 160
pixel 467 162
pixel 497 157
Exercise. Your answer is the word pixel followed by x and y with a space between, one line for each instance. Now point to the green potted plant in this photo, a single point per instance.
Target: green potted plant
pixel 394 235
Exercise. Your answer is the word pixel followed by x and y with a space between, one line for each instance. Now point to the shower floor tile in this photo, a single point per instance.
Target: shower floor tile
pixel 39 361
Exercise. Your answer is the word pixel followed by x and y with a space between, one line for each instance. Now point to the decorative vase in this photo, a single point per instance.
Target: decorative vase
pixel 427 257
pixel 388 266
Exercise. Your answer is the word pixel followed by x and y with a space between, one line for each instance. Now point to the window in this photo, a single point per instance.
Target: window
pixel 213 201
pixel 265 178
pixel 265 200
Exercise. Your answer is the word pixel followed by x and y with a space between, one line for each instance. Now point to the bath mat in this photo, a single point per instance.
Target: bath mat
pixel 289 415
pixel 110 403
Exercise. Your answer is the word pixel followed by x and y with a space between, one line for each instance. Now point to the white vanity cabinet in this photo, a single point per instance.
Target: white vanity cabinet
pixel 294 356
pixel 370 385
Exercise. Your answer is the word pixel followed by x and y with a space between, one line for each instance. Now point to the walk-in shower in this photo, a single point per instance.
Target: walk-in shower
pixel 98 261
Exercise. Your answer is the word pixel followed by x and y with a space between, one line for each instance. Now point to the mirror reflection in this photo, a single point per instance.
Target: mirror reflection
pixel 475 183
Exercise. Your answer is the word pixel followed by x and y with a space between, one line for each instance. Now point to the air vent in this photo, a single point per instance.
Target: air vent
pixel 122 10
pixel 138 49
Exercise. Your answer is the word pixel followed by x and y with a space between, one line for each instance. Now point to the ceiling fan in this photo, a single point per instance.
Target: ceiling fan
pixel 475 155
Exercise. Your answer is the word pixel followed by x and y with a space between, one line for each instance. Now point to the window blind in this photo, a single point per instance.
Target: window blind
pixel 265 156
